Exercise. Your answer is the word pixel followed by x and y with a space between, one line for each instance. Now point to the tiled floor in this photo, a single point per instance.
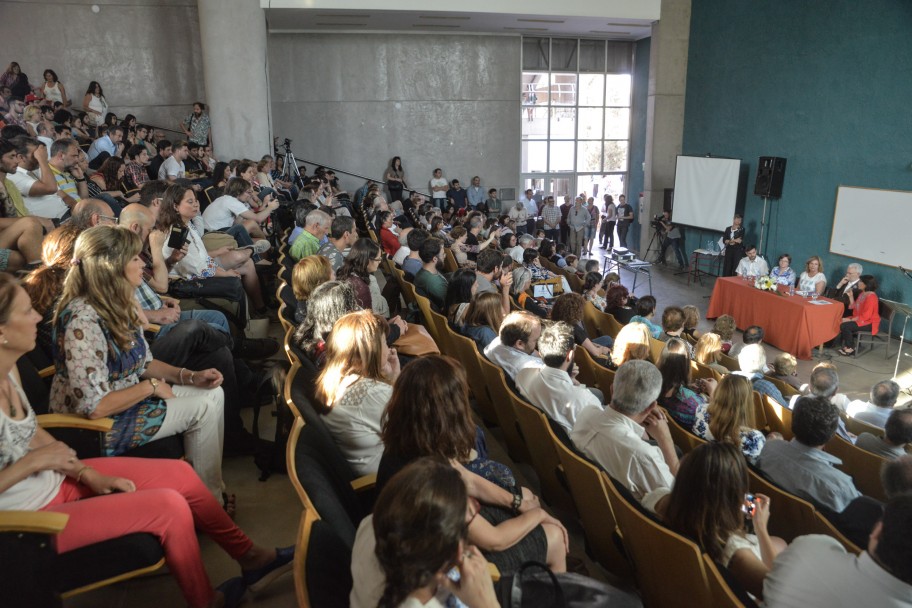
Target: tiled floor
pixel 268 511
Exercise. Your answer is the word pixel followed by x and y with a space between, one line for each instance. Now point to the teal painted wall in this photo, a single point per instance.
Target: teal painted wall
pixel 825 85
pixel 637 152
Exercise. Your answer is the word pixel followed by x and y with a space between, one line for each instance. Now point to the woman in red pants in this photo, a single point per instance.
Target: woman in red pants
pixel 161 497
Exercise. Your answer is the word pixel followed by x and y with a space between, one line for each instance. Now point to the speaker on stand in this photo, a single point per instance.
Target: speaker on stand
pixel 770 177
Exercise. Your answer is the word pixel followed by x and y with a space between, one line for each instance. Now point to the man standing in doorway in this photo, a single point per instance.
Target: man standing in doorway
pixel 531 206
pixel 578 224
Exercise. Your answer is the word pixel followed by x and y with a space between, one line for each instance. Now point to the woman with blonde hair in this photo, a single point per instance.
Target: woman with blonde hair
pixel 691 319
pixel 708 350
pixel 308 274
pixel 729 417
pixel 483 318
pixel 355 386
pixel 104 366
pixel 632 342
pixel 813 279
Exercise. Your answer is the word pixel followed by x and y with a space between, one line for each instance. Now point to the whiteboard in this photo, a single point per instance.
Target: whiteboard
pixel 873 225
pixel 706 191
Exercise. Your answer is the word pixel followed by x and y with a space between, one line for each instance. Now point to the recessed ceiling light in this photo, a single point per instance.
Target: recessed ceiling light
pixel 541 20
pixel 342 16
pixel 441 17
pixel 527 29
pixel 341 24
pixel 436 25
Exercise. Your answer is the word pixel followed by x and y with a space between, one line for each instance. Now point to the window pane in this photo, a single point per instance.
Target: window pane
pixel 591 89
pixel 617 123
pixel 617 91
pixel 615 156
pixel 563 89
pixel 534 95
pixel 563 54
pixel 589 156
pixel 535 53
pixel 562 155
pixel 563 123
pixel 534 157
pixel 559 187
pixel 592 56
pixel 590 123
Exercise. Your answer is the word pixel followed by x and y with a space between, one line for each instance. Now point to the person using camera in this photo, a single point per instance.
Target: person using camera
pixel 673 238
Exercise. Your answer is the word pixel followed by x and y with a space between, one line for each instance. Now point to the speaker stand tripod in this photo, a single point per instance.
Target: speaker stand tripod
pixel 763 224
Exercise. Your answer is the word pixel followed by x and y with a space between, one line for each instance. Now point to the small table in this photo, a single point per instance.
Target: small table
pixel 710 260
pixel 633 266
pixel 791 323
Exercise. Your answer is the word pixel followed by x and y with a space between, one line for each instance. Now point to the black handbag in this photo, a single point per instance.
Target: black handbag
pixel 226 288
pixel 567 590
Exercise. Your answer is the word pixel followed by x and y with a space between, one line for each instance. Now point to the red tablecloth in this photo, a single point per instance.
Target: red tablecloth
pixel 790 323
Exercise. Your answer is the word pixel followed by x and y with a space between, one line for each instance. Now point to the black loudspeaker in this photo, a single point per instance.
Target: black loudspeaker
pixel 770 175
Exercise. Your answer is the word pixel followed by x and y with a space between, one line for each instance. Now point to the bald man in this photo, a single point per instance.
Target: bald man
pixel 91 212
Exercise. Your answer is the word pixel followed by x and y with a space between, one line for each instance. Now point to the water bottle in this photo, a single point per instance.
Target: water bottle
pixel 709 246
pixel 791 290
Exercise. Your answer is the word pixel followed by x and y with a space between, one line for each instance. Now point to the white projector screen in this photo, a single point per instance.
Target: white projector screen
pixel 706 191
pixel 858 210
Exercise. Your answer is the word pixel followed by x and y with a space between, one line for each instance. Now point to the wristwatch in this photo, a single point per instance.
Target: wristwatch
pixel 154 384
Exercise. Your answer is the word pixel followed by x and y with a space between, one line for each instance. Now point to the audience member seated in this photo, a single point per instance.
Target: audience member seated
pixel 108 185
pixel 231 211
pixel 355 387
pixel 460 290
pixel 632 342
pixel 483 318
pixel 817 572
pixel 342 235
pixel 97 327
pixel 752 361
pixel 616 300
pixel 429 281
pixel 522 284
pixel 388 240
pixel 592 284
pixel 514 347
pixel 412 263
pixel 708 351
pixel 523 242
pixel 91 212
pixel 813 279
pixel 785 368
pixel 864 311
pixel 876 411
pixel 752 265
pixel 896 476
pixel 306 276
pixel 328 303
pixel 180 210
pixel 429 415
pixel 614 436
pixel 552 388
pixel 783 274
pixel 691 320
pixel 728 417
pixel 825 383
pixel 415 539
pixel 680 395
pixel 135 174
pixel 359 268
pixel 45 283
pixel 490 278
pixel 645 311
pixel 125 494
pixel 725 327
pixel 673 322
pixel 316 224
pixel 800 466
pixel 709 504
pixel 752 335
pixel 897 435
pixel 569 309
pixel 539 273
pixel 50 183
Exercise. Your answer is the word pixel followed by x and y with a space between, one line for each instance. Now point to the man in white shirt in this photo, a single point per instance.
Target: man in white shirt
pixel 752 265
pixel 525 242
pixel 513 349
pixel 816 572
pixel 439 189
pixel 531 207
pixel 876 411
pixel 173 167
pixel 552 388
pixel 232 209
pixel 36 177
pixel 615 437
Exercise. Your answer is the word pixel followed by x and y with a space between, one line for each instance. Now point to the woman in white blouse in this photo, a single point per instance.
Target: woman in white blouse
pixel 356 384
pixel 813 279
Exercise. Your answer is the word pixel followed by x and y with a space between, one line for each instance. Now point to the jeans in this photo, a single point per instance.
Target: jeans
pixel 211 317
pixel 623 227
pixel 552 234
pixel 608 235
pixel 678 249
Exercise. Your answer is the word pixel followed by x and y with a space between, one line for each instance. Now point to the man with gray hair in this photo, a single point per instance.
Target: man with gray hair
pixel 876 411
pixel 752 361
pixel 524 242
pixel 553 388
pixel 897 435
pixel 316 225
pixel 846 284
pixel 341 237
pixel 613 436
pixel 578 223
pixel 825 383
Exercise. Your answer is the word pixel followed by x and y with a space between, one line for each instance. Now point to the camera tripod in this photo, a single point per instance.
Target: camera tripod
pixel 655 244
pixel 290 170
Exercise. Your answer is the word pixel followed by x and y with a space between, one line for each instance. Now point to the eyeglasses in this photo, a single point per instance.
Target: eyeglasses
pixel 107 218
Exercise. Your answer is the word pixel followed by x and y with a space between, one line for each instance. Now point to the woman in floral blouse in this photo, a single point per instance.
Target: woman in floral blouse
pixel 104 366
pixel 679 395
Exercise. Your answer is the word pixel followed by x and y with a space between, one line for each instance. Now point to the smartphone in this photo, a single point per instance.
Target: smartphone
pixel 178 236
pixel 749 506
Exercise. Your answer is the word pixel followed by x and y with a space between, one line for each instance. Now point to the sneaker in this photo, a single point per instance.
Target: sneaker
pixel 261 246
pixel 255 348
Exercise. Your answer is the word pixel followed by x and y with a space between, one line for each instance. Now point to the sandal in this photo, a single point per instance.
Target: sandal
pixel 846 352
pixel 229 503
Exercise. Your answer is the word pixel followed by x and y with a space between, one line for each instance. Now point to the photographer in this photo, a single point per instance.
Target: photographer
pixel 672 237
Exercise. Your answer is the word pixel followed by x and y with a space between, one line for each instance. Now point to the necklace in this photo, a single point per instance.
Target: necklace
pixel 8 393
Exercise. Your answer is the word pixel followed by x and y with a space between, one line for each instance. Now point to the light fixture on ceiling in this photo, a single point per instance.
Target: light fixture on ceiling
pixel 436 26
pixel 541 20
pixel 341 24
pixel 445 17
pixel 527 29
pixel 341 16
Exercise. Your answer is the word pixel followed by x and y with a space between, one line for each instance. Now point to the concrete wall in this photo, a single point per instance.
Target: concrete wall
pixel 826 88
pixel 355 101
pixel 636 174
pixel 145 53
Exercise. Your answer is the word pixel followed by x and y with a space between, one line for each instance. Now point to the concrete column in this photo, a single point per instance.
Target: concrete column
pixel 665 107
pixel 233 41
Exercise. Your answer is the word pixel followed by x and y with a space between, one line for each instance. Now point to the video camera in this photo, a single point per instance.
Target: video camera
pixel 657 222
